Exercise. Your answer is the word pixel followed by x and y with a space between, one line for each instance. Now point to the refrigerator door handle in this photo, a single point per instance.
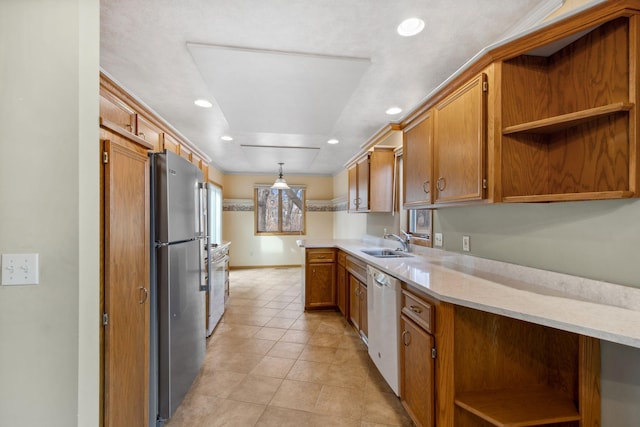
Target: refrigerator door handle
pixel 201 209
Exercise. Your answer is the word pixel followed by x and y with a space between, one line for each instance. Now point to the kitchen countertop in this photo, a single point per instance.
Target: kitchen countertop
pixel 589 307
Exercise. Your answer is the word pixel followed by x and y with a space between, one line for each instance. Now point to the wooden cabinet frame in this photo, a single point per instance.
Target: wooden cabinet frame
pixel 562 128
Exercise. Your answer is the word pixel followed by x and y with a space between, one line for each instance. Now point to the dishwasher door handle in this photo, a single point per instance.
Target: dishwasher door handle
pixel 379 283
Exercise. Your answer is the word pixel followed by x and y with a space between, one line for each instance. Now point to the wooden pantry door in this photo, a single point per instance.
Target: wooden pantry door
pixel 126 286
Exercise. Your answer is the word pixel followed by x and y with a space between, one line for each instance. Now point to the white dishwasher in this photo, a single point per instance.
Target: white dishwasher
pixel 383 308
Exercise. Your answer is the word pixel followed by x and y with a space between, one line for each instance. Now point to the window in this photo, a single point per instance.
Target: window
pixel 215 213
pixel 279 211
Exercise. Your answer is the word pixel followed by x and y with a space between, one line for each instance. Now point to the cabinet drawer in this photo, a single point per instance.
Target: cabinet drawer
pixel 418 310
pixel 357 268
pixel 321 255
pixel 342 258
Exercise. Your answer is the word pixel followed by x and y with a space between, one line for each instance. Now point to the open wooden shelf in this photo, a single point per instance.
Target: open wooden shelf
pixel 565 121
pixel 519 408
pixel 569 197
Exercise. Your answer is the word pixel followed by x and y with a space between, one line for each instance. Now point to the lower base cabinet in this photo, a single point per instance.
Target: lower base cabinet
pixel 358 306
pixel 463 367
pixel 417 368
pixel 342 287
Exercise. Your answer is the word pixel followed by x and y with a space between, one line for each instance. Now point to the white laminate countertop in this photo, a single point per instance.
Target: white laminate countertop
pixel 589 307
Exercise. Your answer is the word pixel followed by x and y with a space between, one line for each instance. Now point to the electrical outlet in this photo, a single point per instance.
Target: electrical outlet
pixel 465 243
pixel 438 239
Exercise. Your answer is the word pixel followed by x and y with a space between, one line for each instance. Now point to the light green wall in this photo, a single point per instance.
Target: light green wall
pixel 596 239
pixel 49 187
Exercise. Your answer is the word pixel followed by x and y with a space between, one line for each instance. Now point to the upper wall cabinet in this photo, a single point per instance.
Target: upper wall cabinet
pixel 122 114
pixel 417 156
pixel 569 118
pixel 117 112
pixel 460 143
pixel 371 182
pixel 149 132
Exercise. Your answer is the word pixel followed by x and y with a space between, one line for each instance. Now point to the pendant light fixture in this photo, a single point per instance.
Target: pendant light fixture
pixel 280 183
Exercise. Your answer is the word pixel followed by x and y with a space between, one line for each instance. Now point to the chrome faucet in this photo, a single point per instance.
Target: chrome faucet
pixel 404 241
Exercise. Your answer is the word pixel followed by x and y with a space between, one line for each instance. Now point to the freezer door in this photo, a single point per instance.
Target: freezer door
pixel 178 199
pixel 181 313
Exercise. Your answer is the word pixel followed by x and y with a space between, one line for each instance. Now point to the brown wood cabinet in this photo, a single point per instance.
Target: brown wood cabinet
pixel 510 372
pixel 149 132
pixel 342 288
pixel 126 284
pixel 117 112
pixel 185 152
pixel 371 182
pixel 364 170
pixel 357 278
pixel 417 369
pixel 417 160
pixel 459 143
pixel 358 306
pixel 558 120
pixel 320 279
pixel 568 119
pixel 169 143
pixel 417 358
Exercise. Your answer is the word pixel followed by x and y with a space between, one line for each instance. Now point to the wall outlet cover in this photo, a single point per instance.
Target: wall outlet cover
pixel 465 243
pixel 438 239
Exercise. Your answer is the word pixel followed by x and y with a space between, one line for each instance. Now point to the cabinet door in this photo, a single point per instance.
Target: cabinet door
pixel 126 287
pixel 417 369
pixel 364 318
pixel 185 152
pixel 353 188
pixel 117 112
pixel 320 290
pixel 341 289
pixel 354 301
pixel 363 185
pixel 381 180
pixel 417 159
pixel 170 144
pixel 459 144
pixel 149 132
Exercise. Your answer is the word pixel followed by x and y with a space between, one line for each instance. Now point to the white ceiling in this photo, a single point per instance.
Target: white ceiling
pixel 288 75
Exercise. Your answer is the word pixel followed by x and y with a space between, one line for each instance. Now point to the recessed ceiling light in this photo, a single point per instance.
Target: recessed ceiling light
pixel 203 103
pixel 226 138
pixel 332 141
pixel 393 110
pixel 410 27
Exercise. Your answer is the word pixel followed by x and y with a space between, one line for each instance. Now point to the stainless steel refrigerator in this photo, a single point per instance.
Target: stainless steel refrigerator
pixel 178 229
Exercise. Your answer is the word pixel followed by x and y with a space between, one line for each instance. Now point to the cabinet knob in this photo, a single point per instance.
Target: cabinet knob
pixel 406 338
pixel 441 184
pixel 141 134
pixel 425 186
pixel 415 309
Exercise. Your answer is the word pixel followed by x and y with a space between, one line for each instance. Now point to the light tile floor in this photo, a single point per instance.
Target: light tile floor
pixel 269 363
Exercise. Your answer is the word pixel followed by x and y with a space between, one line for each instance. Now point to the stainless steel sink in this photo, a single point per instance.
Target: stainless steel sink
pixel 385 253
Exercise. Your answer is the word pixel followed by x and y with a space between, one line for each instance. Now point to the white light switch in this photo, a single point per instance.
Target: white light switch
pixel 438 239
pixel 20 269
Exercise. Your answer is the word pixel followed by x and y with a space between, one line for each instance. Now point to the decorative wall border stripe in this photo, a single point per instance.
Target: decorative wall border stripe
pixel 246 205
